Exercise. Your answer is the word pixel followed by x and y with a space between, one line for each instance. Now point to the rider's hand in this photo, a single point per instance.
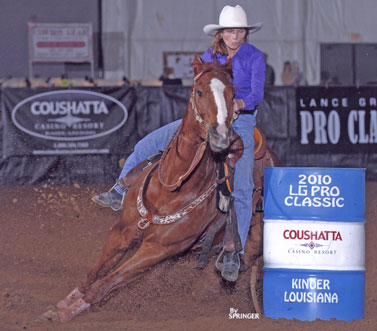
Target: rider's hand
pixel 238 104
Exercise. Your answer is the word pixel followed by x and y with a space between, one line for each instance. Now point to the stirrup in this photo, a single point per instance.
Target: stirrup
pixel 226 269
pixel 219 265
pixel 121 185
pixel 111 199
pixel 231 269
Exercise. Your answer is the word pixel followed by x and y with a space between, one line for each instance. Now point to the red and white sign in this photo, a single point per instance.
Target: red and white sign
pixel 314 245
pixel 60 42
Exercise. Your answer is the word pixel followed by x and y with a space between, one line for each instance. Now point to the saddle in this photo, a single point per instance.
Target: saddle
pixel 263 157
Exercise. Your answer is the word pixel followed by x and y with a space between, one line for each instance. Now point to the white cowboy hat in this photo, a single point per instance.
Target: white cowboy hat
pixel 231 17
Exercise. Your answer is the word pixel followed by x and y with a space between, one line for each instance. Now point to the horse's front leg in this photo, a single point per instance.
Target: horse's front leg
pixel 117 242
pixel 79 291
pixel 145 257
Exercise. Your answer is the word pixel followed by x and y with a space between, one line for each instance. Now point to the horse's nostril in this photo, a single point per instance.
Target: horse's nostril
pixel 219 137
pixel 222 130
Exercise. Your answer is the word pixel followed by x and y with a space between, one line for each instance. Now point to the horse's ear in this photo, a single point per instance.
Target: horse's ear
pixel 197 59
pixel 197 64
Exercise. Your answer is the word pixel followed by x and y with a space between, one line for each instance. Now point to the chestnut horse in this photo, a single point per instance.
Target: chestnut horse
pixel 172 202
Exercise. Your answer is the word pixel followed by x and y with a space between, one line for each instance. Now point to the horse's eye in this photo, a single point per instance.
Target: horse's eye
pixel 234 96
pixel 200 93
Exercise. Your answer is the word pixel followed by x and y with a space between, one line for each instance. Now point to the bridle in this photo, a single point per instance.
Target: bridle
pixel 197 115
pixel 199 152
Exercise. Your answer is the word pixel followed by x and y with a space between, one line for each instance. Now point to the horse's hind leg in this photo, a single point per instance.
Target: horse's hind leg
pixel 117 242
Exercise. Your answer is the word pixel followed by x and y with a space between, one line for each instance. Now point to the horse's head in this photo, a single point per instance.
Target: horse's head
pixel 212 102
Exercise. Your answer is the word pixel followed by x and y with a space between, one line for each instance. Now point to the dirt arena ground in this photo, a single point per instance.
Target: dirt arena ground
pixel 50 236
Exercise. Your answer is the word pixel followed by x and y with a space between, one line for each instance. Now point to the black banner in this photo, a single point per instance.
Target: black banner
pixel 336 119
pixel 68 121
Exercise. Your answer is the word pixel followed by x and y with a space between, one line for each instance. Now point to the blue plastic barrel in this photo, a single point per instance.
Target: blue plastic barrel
pixel 314 243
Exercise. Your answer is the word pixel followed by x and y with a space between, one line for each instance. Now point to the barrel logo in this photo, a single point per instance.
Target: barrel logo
pixel 312 235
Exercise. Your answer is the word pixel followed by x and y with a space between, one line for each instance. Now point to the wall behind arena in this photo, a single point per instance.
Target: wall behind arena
pixel 135 33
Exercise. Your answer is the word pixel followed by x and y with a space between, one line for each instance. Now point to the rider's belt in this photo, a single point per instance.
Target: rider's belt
pixel 249 112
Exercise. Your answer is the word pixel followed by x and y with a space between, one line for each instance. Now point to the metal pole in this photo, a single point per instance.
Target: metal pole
pixel 92 68
pixel 30 69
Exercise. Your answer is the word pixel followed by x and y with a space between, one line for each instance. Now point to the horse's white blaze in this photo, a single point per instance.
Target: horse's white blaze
pixel 218 87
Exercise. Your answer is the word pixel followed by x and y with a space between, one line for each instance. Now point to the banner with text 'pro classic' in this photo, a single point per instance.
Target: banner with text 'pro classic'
pixel 67 121
pixel 336 119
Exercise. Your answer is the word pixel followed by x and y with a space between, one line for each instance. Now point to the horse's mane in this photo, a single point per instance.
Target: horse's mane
pixel 217 66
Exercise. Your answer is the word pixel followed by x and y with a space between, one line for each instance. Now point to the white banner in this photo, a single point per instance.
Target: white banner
pixel 60 42
pixel 314 245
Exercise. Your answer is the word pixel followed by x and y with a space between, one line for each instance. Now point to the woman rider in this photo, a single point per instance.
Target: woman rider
pixel 230 40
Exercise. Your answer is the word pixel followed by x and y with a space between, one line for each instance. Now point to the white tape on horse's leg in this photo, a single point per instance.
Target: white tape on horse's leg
pixel 70 299
pixel 73 310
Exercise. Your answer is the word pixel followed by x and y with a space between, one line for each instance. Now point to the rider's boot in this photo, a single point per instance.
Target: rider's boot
pixel 228 263
pixel 111 198
pixel 231 266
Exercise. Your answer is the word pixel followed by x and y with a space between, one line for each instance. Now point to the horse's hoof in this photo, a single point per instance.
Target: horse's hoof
pixel 50 316
pixel 70 299
pixel 65 315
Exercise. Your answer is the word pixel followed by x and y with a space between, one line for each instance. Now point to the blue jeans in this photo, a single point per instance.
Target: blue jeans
pixel 243 177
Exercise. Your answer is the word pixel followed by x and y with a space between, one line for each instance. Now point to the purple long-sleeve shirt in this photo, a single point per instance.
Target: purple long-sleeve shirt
pixel 249 68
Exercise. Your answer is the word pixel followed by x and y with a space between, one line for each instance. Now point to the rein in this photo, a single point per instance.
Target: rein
pixel 199 152
pixel 198 156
